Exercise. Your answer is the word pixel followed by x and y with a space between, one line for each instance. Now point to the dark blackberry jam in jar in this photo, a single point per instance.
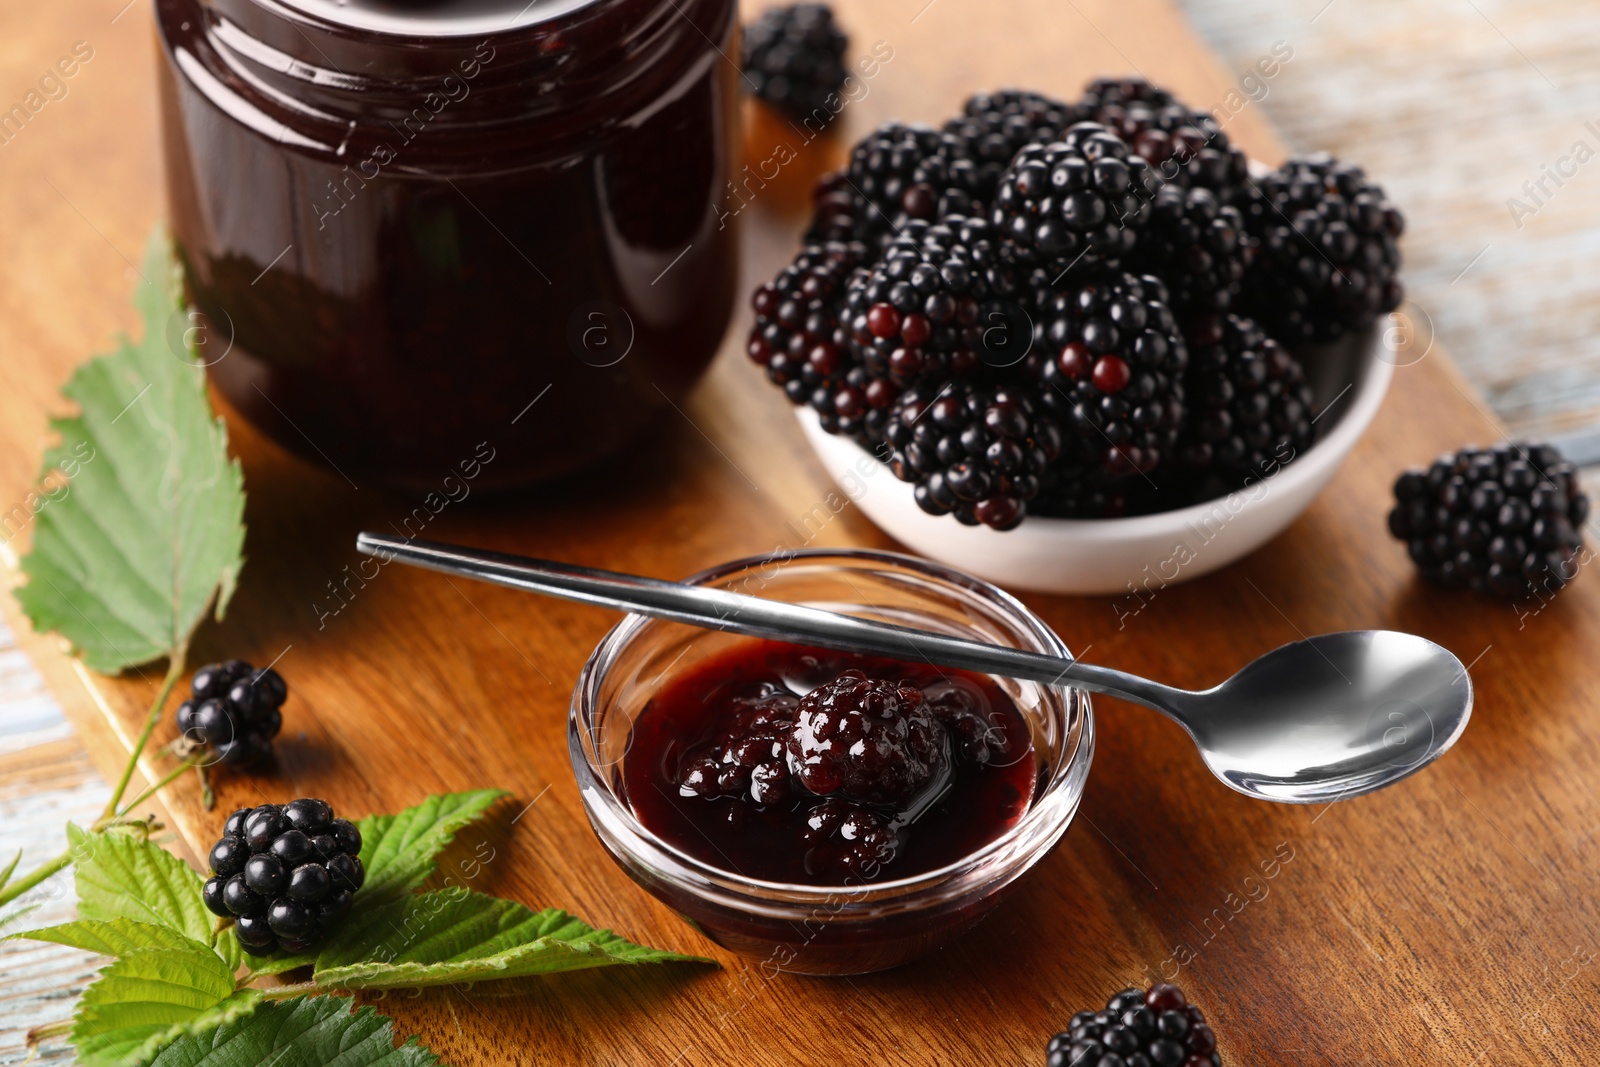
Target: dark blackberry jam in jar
pixel 417 228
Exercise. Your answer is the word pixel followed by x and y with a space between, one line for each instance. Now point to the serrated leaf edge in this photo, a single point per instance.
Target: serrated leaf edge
pixel 235 1004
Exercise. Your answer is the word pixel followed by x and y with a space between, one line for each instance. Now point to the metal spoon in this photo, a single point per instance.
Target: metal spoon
pixel 1315 721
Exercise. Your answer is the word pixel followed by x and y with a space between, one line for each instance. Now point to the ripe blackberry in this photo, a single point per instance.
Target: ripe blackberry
pixel 794 57
pixel 1068 491
pixel 1327 259
pixel 1182 145
pixel 745 757
pixel 901 172
pixel 993 127
pixel 1249 407
pixel 285 874
pixel 1085 196
pixel 1109 362
pixel 973 451
pixel 1197 245
pixel 916 316
pixel 1504 520
pixel 867 740
pixel 799 339
pixel 836 210
pixel 1157 1027
pixel 234 710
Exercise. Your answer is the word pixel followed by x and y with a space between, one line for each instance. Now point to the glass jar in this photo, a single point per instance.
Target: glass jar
pixel 423 232
pixel 822 929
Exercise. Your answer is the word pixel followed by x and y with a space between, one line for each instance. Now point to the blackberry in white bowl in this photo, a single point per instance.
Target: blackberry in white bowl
pixel 1122 283
pixel 1083 197
pixel 1327 256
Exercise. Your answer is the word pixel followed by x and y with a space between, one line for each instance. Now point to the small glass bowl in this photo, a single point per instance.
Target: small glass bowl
pixel 843 929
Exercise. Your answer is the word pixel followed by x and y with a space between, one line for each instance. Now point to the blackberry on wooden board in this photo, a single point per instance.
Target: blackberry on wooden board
pixel 285 874
pixel 1109 361
pixel 1181 144
pixel 1157 1027
pixel 1506 521
pixel 978 453
pixel 1250 408
pixel 1082 198
pixel 794 57
pixel 1327 261
pixel 234 710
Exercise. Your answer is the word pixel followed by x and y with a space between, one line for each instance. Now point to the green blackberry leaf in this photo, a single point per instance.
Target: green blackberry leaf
pixel 304 1032
pixel 139 528
pixel 122 877
pixel 149 998
pixel 399 850
pixel 15 915
pixel 114 937
pixel 454 935
pixel 399 853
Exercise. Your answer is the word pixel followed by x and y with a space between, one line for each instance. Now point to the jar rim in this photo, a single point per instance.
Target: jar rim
pixel 1046 820
pixel 539 90
pixel 399 22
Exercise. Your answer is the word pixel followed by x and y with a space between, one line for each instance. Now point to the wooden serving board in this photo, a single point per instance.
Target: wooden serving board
pixel 1450 919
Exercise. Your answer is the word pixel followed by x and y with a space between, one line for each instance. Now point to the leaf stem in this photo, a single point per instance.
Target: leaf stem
pixel 11 868
pixel 28 881
pixel 289 992
pixel 59 1028
pixel 174 672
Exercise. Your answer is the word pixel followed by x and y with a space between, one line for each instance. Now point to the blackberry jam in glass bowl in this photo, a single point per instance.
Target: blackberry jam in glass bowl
pixel 828 812
pixel 426 232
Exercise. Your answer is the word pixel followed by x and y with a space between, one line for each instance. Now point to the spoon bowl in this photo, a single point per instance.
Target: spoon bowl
pixel 1332 716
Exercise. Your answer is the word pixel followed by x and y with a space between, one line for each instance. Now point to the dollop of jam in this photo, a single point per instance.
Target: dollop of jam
pixel 795 764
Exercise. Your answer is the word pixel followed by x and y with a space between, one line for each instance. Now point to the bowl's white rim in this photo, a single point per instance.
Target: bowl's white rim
pixel 1370 392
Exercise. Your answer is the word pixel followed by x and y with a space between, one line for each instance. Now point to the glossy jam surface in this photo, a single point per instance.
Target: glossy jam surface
pixel 920 766
pixel 425 242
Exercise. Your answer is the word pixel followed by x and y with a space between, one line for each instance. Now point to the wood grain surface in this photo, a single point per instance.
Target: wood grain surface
pixel 1471 115
pixel 46 778
pixel 1450 919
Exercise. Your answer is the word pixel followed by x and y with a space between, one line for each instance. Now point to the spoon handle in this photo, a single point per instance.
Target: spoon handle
pixel 720 609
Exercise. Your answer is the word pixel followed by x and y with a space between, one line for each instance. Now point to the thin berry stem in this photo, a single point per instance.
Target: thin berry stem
pixel 208 799
pixel 174 672
pixel 165 781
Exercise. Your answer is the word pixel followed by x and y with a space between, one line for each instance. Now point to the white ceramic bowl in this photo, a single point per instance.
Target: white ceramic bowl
pixel 1099 556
